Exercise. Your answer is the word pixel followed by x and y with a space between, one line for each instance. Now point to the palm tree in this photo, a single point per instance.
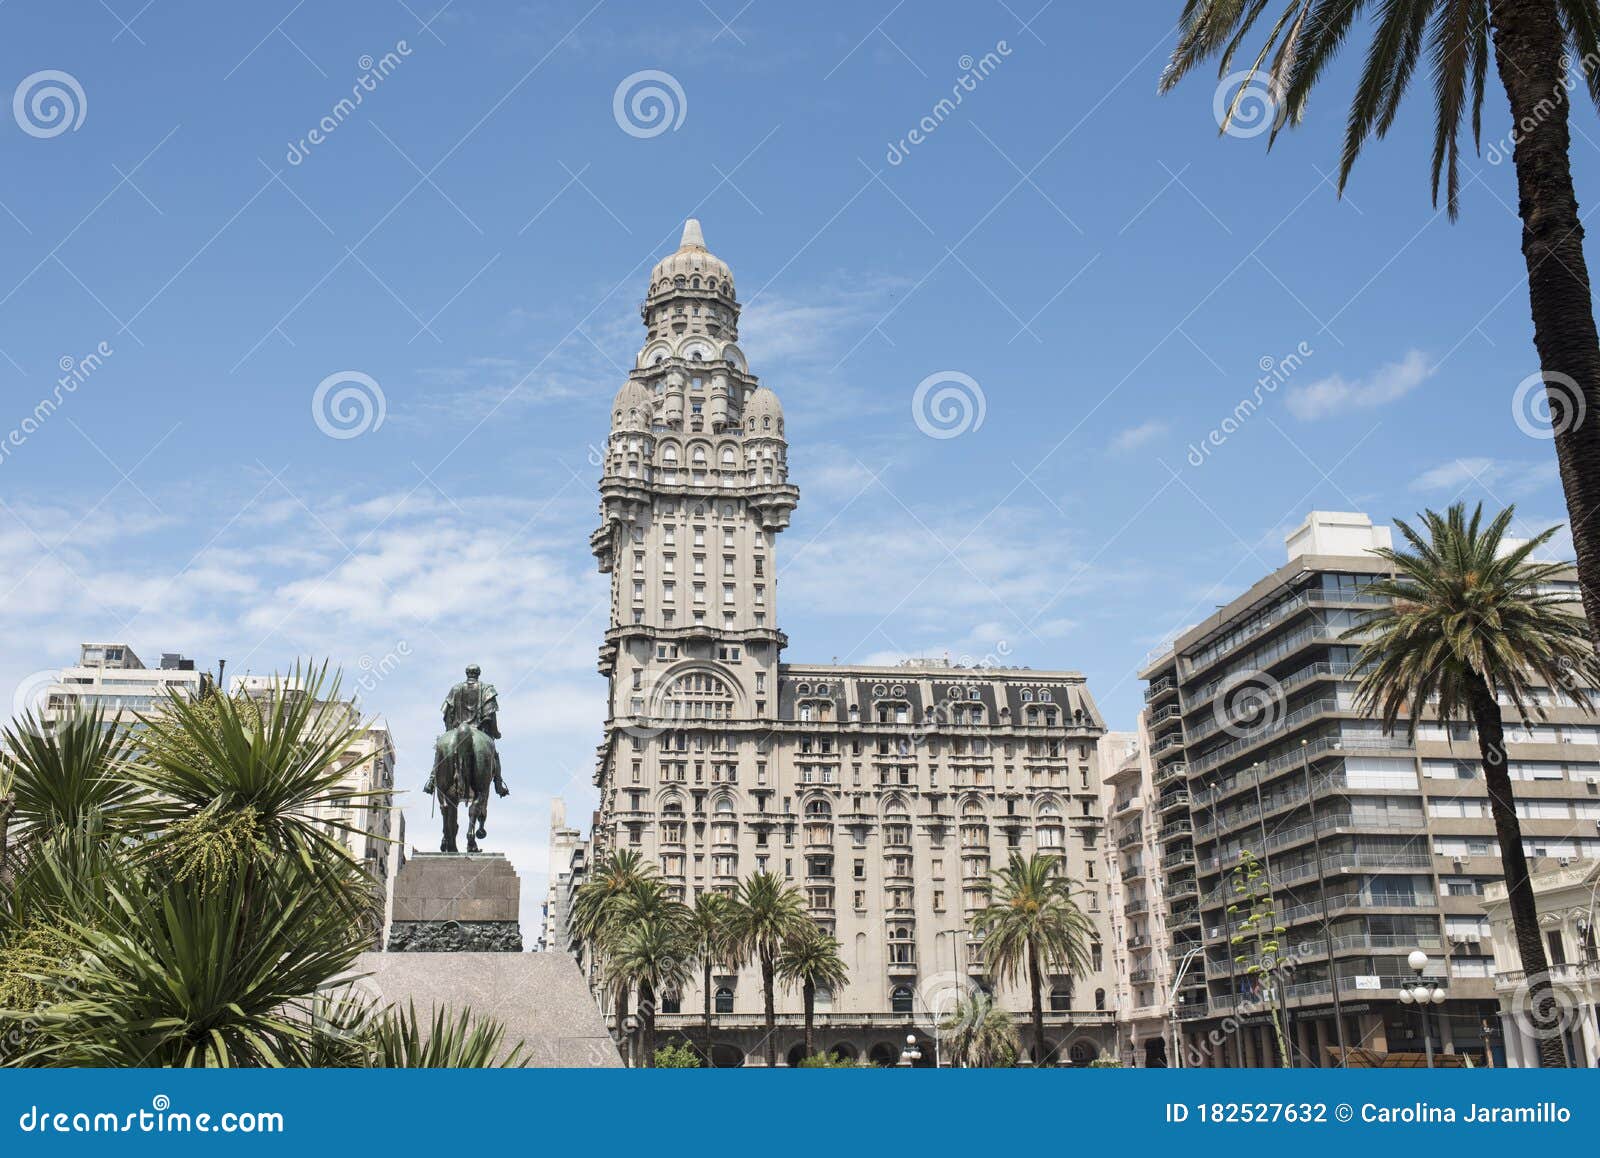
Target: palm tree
pixel 1531 41
pixel 1031 927
pixel 980 1034
pixel 594 911
pixel 811 959
pixel 713 945
pixel 651 951
pixel 1468 622
pixel 766 915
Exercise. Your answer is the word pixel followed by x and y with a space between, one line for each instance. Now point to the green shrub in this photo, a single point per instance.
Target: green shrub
pixel 826 1061
pixel 677 1057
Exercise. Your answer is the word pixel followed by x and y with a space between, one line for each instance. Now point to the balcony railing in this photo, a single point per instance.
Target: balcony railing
pixel 1158 686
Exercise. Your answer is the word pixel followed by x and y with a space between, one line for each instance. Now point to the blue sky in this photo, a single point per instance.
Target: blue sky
pixel 474 237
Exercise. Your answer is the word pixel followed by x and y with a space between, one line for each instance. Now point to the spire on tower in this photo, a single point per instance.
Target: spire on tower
pixel 692 237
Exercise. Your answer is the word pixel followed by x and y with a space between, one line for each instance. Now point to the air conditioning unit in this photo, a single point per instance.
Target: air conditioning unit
pixel 1459 862
pixel 1565 861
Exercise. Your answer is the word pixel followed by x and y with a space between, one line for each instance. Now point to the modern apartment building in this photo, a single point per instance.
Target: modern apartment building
pixel 112 678
pixel 1140 946
pixel 887 795
pixel 1374 846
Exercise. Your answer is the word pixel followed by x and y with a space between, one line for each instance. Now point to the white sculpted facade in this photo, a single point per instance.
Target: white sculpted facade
pixel 885 795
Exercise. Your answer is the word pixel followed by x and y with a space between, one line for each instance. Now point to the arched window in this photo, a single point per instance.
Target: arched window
pixel 697 695
pixel 820 809
pixel 724 806
pixel 1099 998
pixel 900 999
pixel 724 999
pixel 727 456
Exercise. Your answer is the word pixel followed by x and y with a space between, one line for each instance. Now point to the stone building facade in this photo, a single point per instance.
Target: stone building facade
pixel 886 795
pixel 1140 948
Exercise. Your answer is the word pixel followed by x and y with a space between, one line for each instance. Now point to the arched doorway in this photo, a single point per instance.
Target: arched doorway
pixel 1082 1052
pixel 726 1057
pixel 884 1054
pixel 844 1051
pixel 1155 1053
pixel 797 1054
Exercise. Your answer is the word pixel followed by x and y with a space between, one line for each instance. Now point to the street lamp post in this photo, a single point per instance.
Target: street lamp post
pixel 911 1054
pixel 1422 994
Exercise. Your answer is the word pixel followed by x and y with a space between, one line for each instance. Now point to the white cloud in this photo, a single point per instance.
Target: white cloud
pixel 1490 476
pixel 1137 436
pixel 1337 395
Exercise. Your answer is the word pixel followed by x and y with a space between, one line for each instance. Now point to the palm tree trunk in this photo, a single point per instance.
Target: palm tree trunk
pixel 809 991
pixel 1519 892
pixel 767 971
pixel 7 805
pixel 1036 983
pixel 1528 48
pixel 624 1042
pixel 707 995
pixel 647 1026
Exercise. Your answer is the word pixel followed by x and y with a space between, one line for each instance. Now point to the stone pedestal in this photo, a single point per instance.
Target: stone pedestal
pixel 447 902
pixel 540 999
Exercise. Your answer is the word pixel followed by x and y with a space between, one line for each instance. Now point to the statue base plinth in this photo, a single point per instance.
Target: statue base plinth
pixel 447 902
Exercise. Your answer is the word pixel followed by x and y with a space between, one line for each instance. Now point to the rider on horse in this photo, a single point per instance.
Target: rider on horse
pixel 465 760
pixel 477 705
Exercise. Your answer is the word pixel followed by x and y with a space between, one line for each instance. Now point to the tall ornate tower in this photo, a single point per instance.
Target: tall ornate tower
pixel 884 795
pixel 694 493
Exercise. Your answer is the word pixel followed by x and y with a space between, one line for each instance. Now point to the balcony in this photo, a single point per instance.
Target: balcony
pixel 1177 828
pixel 1161 715
pixel 1173 800
pixel 1171 773
pixel 1277 615
pixel 1160 686
pixel 1167 743
pixel 1139 941
pixel 1129 839
pixel 1135 906
pixel 1178 859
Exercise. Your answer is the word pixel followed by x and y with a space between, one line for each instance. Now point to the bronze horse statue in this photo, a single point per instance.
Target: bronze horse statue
pixel 465 760
pixel 465 764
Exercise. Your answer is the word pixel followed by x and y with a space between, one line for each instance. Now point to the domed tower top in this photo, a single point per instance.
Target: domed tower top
pixel 692 268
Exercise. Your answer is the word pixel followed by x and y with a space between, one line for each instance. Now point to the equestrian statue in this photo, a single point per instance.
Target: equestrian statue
pixel 465 760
